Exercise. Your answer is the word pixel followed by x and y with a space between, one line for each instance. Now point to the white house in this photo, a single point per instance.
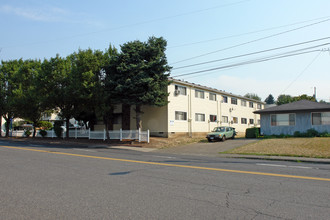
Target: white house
pixel 192 110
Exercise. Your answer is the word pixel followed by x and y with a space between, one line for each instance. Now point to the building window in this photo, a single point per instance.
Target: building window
pixel 224 99
pixel 243 103
pixel 234 101
pixel 213 118
pixel 213 97
pixel 117 119
pixel 321 118
pixel 199 94
pixel 251 104
pixel 283 120
pixel 224 119
pixel 182 116
pixel 251 121
pixel 180 90
pixel 243 121
pixel 235 120
pixel 258 106
pixel 199 117
pixel 258 121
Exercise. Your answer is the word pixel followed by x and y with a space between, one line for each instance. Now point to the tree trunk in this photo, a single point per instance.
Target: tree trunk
pixel 106 124
pixel 67 121
pixel 0 125
pixel 7 126
pixel 138 117
pixel 34 129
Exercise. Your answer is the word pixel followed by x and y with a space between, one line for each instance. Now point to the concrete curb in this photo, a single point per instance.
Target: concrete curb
pixel 278 158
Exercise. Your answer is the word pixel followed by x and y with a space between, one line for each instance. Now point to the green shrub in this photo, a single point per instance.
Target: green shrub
pixel 45 125
pixel 43 133
pixel 324 134
pixel 252 132
pixel 312 133
pixel 297 134
pixel 27 133
pixel 58 129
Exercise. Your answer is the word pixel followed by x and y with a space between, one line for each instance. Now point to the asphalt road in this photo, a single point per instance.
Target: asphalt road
pixel 39 182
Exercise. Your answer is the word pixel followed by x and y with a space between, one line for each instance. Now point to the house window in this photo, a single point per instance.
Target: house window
pixel 117 119
pixel 199 94
pixel 243 103
pixel 224 99
pixel 283 120
pixel 199 117
pixel 251 121
pixel 224 119
pixel 182 116
pixel 181 90
pixel 243 121
pixel 251 104
pixel 213 118
pixel 235 120
pixel 234 101
pixel 258 106
pixel 213 97
pixel 321 118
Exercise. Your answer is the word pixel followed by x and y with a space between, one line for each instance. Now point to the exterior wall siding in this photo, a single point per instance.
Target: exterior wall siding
pixel 191 104
pixel 303 123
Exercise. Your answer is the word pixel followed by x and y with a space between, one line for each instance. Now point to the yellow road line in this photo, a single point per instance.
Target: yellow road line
pixel 172 165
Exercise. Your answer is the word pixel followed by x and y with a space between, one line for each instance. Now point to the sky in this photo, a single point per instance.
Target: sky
pixel 229 36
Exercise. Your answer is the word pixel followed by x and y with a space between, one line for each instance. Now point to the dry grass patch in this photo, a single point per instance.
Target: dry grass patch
pixel 304 147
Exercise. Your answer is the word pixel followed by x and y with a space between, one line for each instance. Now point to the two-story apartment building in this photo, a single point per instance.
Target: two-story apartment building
pixel 192 110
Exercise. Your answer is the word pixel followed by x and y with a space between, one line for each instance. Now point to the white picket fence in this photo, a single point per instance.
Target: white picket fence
pixel 141 136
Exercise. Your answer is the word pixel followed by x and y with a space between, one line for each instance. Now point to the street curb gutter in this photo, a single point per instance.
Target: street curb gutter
pixel 278 158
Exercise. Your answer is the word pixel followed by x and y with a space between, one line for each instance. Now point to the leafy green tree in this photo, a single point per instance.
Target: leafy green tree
pixel 30 93
pixel 252 96
pixel 304 97
pixel 9 90
pixel 270 99
pixel 284 99
pixel 143 74
pixel 60 86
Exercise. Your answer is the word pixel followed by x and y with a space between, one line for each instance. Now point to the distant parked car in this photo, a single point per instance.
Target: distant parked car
pixel 221 133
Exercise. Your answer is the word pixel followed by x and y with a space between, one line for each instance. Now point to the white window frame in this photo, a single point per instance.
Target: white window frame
pixel 243 103
pixel 213 95
pixel 199 114
pixel 184 116
pixel 225 99
pixel 216 118
pixel 242 119
pixel 199 94
pixel 320 118
pixel 283 124
pixel 226 117
pixel 236 120
pixel 180 89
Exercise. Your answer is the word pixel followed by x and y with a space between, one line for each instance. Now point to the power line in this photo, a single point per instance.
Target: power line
pixel 137 24
pixel 246 62
pixel 249 54
pixel 302 72
pixel 247 33
pixel 252 41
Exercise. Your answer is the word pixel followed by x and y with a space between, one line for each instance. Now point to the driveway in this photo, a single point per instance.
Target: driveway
pixel 207 149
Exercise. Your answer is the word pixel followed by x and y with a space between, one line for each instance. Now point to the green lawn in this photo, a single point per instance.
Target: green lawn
pixel 298 147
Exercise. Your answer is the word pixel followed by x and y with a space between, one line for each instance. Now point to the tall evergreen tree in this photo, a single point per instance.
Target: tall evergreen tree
pixel 143 74
pixel 270 99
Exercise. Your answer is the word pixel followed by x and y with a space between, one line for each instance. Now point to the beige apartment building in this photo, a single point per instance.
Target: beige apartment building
pixel 192 110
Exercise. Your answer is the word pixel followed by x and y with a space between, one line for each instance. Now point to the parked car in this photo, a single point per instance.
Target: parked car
pixel 221 133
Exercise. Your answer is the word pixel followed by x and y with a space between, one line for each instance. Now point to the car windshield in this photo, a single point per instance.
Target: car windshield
pixel 219 129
